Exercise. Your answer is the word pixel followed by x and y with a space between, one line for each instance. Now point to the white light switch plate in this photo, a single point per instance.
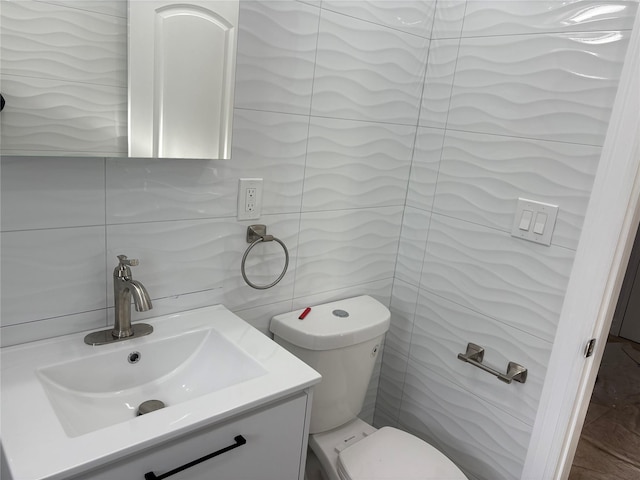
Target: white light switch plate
pixel 532 217
pixel 249 198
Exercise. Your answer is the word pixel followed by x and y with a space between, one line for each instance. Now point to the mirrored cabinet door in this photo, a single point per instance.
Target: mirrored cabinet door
pixel 144 78
pixel 63 75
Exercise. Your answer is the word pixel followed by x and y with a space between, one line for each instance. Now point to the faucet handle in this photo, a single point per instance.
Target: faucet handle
pixel 132 262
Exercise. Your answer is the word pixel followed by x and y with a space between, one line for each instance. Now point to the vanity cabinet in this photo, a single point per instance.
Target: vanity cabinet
pixel 275 449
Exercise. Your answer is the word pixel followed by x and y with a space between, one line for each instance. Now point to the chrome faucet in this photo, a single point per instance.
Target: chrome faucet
pixel 124 287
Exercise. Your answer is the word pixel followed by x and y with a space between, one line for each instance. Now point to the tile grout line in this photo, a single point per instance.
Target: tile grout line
pixel 306 155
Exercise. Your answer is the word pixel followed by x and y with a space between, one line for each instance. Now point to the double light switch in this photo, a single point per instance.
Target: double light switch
pixel 534 221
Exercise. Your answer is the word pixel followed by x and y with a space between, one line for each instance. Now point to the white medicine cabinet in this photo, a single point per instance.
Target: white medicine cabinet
pixel 181 78
pixel 138 78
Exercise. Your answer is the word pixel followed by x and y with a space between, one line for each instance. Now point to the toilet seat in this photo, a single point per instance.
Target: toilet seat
pixel 391 454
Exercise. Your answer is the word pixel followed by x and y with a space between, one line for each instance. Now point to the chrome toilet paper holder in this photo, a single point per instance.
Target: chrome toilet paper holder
pixel 475 354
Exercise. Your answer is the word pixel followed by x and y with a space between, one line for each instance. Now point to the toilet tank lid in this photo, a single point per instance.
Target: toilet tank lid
pixel 333 325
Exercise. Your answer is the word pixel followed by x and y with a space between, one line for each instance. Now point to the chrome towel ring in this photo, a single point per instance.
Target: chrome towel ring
pixel 255 235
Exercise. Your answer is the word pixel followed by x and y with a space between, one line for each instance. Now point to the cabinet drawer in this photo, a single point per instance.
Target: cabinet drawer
pixel 274 439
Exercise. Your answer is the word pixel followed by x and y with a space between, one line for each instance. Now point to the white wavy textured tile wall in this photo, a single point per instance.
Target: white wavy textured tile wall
pixel 424 168
pixel 266 145
pixel 270 146
pixel 346 247
pixel 518 283
pixel 42 40
pixel 260 317
pixel 413 16
pixel 276 54
pixel 442 331
pixel 51 273
pixel 475 434
pixel 438 83
pixel 449 17
pixel 188 252
pixel 481 176
pixel 367 72
pixel 196 255
pixel 146 190
pixel 413 241
pixel 550 86
pixel 52 327
pixel 116 8
pixel 392 372
pixel 369 405
pixel 356 164
pixel 540 16
pixel 403 308
pixel 69 195
pixel 44 115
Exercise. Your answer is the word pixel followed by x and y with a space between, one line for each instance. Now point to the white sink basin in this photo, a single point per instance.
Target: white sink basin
pixel 68 407
pixel 106 388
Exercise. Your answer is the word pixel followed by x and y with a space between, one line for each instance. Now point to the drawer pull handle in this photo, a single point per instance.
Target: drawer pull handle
pixel 240 440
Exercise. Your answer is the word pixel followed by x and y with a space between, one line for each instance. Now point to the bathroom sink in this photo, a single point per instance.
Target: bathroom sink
pixel 106 388
pixel 69 407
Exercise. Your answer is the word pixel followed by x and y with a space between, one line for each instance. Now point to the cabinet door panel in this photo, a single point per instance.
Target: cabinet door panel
pixel 181 78
pixel 272 452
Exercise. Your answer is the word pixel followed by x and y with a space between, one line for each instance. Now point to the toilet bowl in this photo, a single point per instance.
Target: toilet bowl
pixel 341 340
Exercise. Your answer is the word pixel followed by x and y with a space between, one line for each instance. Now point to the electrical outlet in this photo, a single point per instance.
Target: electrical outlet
pixel 249 198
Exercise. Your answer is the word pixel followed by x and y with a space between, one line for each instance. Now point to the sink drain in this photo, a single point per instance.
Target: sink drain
pixel 150 406
pixel 134 357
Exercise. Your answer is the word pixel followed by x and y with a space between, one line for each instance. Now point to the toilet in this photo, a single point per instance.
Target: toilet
pixel 341 340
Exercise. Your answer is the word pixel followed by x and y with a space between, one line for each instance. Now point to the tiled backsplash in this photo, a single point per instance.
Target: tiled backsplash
pixel 376 184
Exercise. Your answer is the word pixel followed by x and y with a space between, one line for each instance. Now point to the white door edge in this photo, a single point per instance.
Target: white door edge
pixel 599 267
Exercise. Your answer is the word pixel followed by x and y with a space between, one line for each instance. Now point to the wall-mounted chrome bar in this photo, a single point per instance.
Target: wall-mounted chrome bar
pixel 475 354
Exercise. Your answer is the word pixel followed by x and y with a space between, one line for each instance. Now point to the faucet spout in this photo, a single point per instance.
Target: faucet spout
pixel 125 287
pixel 141 298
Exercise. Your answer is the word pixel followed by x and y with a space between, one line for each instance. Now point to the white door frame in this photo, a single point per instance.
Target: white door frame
pixel 601 259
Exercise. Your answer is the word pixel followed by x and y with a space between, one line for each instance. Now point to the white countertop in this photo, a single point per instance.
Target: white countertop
pixel 35 444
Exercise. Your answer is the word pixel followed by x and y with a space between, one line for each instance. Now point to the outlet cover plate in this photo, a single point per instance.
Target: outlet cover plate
pixel 249 198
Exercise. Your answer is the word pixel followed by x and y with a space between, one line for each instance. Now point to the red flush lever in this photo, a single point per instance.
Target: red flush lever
pixel 305 313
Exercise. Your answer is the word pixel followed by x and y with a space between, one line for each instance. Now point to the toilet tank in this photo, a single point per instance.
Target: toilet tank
pixel 341 340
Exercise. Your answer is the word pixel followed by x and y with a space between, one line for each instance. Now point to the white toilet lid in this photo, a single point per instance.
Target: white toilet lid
pixel 392 454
